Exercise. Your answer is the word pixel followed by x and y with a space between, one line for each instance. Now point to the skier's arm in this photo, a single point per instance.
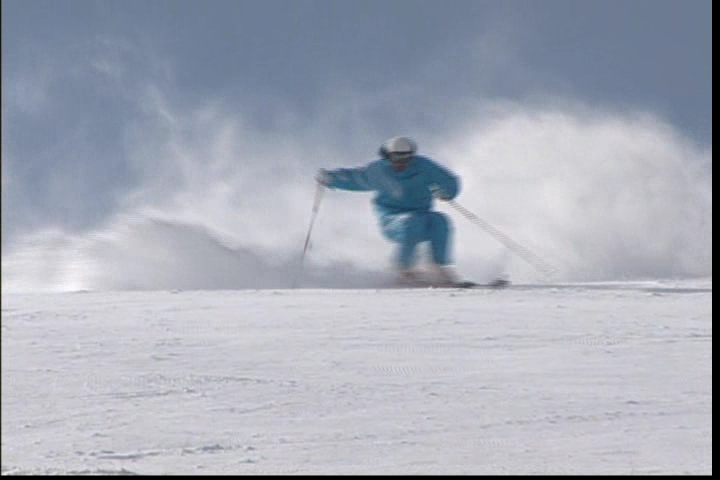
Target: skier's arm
pixel 345 178
pixel 444 184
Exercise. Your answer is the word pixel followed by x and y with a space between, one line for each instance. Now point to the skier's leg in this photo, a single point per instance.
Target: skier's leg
pixel 439 234
pixel 412 234
pixel 407 231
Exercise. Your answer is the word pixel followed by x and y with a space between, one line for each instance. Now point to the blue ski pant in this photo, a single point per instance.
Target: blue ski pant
pixel 410 229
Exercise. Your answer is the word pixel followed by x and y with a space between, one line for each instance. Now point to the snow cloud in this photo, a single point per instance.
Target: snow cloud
pixel 148 189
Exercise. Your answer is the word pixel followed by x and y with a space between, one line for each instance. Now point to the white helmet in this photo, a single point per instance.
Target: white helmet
pixel 398 149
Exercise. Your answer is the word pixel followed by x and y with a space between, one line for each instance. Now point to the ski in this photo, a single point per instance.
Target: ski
pixel 497 283
pixel 463 284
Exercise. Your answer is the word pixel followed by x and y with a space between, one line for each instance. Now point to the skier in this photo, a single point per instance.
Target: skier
pixel 405 185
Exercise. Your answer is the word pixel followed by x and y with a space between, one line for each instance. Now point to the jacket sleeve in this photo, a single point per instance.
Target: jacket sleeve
pixel 357 179
pixel 442 179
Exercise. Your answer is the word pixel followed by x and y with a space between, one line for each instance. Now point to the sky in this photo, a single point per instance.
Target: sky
pixel 173 144
pixel 609 378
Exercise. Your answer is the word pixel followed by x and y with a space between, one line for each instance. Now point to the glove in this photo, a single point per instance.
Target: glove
pixel 438 193
pixel 323 177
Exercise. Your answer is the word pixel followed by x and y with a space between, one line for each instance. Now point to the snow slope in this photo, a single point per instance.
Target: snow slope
pixel 604 378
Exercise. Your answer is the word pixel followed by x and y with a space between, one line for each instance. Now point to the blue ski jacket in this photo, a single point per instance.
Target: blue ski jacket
pixel 397 192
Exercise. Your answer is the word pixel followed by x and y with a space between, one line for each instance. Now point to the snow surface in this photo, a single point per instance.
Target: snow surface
pixel 594 378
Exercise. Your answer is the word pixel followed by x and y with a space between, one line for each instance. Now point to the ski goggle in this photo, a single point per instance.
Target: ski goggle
pixel 399 158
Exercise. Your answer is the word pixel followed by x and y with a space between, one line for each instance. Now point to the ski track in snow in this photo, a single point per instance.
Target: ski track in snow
pixel 573 379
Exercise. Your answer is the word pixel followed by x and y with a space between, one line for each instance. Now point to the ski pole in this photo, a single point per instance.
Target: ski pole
pixel 512 245
pixel 316 207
